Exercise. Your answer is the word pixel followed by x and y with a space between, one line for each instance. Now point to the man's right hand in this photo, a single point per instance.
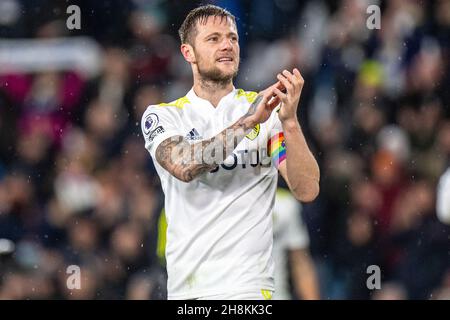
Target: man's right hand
pixel 261 109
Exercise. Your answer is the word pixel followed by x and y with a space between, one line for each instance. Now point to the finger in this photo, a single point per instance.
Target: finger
pixel 274 102
pixel 297 74
pixel 282 89
pixel 267 96
pixel 281 95
pixel 288 75
pixel 259 100
pixel 293 79
pixel 289 87
pixel 270 100
pixel 280 86
pixel 268 93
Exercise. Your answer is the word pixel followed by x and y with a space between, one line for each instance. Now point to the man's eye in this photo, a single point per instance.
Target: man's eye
pixel 213 39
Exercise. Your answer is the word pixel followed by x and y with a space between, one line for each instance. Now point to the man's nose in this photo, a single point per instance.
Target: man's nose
pixel 226 44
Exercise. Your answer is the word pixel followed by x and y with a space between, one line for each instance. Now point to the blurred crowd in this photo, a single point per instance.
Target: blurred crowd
pixel 77 186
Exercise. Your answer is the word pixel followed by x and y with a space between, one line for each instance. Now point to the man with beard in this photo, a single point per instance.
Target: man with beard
pixel 218 151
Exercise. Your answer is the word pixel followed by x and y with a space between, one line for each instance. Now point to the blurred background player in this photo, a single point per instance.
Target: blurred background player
pixel 295 274
pixel 443 197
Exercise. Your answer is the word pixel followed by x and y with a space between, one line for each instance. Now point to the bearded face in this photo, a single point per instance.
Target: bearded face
pixel 219 70
pixel 217 50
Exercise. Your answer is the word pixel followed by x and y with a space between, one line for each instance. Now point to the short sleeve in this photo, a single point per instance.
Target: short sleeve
pixel 158 124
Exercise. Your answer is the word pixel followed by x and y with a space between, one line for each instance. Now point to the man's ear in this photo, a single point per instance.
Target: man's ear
pixel 188 52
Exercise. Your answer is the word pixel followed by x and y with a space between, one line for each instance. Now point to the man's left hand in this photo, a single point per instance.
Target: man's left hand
pixel 293 82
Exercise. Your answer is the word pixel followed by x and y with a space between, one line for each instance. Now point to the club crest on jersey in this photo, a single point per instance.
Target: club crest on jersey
pixel 255 132
pixel 151 122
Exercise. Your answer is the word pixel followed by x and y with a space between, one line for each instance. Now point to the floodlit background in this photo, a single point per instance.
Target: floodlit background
pixel 77 186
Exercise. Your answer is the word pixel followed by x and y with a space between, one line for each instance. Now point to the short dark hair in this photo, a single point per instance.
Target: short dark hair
pixel 188 29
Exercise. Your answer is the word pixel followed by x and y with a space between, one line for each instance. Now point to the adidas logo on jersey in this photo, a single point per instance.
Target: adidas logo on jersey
pixel 193 135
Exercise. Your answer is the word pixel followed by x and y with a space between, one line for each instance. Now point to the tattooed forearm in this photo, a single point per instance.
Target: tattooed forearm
pixel 177 156
pixel 251 111
pixel 186 161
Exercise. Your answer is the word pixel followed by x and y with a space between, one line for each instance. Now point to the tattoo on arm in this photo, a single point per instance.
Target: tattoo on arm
pixel 186 161
pixel 251 111
pixel 171 155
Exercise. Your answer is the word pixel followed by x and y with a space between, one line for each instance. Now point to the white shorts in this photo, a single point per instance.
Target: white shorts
pixel 249 295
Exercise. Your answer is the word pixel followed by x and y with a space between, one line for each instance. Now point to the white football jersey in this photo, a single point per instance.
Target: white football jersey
pixel 219 234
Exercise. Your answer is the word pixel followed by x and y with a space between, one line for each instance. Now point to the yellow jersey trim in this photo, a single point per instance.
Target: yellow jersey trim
pixel 162 235
pixel 179 103
pixel 249 95
pixel 267 294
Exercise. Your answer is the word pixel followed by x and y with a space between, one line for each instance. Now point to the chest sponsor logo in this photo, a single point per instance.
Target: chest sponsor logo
pixel 247 159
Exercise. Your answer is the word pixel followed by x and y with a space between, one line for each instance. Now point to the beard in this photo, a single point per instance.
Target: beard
pixel 214 74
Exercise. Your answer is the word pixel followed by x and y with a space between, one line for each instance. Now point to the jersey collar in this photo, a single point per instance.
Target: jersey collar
pixel 196 100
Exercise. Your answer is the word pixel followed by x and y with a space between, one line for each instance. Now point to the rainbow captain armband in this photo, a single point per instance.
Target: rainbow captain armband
pixel 277 148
